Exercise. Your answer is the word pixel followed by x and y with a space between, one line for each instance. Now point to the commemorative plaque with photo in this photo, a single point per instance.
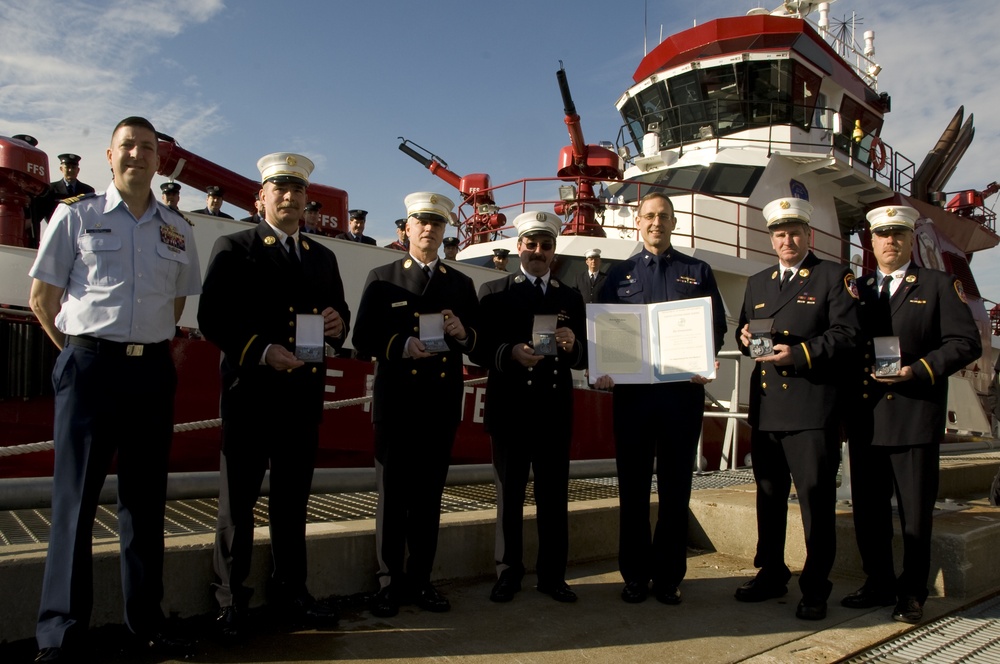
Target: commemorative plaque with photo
pixel 888 360
pixel 309 343
pixel 432 333
pixel 543 334
pixel 761 341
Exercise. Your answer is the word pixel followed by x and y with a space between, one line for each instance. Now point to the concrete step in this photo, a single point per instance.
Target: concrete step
pixel 342 554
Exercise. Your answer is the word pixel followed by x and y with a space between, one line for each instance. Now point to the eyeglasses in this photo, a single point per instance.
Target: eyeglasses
pixel 662 216
pixel 531 246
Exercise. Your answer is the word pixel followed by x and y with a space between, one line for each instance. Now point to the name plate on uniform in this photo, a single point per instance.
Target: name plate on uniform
pixel 543 334
pixel 761 342
pixel 309 343
pixel 888 360
pixel 663 342
pixel 432 333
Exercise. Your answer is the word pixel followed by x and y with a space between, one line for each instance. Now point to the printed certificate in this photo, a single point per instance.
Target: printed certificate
pixel 651 343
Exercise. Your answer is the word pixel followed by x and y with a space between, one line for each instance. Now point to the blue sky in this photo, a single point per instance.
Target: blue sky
pixel 473 81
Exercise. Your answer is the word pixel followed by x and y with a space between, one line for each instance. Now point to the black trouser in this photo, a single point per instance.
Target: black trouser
pixel 514 455
pixel 288 448
pixel 662 422
pixel 107 402
pixel 912 471
pixel 411 467
pixel 809 458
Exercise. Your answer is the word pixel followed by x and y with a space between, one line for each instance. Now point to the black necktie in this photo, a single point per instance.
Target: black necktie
pixel 427 273
pixel 538 286
pixel 785 278
pixel 71 188
pixel 593 278
pixel 884 293
pixel 290 246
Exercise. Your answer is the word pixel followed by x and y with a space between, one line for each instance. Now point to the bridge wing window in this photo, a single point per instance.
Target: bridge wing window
pixel 731 179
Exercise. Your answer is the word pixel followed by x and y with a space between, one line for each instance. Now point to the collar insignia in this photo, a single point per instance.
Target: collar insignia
pixel 269 240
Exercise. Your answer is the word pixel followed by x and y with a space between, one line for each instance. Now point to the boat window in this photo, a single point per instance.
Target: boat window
pixel 850 112
pixel 654 108
pixel 731 179
pixel 805 93
pixel 686 96
pixel 770 89
pixel 633 120
pixel 722 88
pixel 822 116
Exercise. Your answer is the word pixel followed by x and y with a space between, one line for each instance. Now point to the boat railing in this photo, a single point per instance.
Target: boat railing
pixel 705 221
pixel 762 123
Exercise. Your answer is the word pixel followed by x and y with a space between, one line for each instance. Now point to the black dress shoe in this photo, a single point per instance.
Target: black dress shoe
pixel 667 594
pixel 429 599
pixel 505 588
pixel 51 655
pixel 867 597
pixel 810 610
pixel 759 590
pixel 305 609
pixel 635 592
pixel 171 646
pixel 385 604
pixel 908 610
pixel 229 622
pixel 559 591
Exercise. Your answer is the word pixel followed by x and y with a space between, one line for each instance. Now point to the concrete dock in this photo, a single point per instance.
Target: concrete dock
pixel 709 626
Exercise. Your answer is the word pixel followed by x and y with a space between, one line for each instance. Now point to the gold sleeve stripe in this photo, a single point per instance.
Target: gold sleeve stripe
pixel 809 361
pixel 245 349
pixel 389 345
pixel 930 371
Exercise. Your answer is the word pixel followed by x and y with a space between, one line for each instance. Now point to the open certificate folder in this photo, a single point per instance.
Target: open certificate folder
pixel 662 342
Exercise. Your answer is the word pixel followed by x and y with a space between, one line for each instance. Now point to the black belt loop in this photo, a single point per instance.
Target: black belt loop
pixel 113 347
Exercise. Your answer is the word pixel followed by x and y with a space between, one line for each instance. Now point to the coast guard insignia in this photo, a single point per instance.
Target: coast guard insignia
pixel 407 263
pixel 851 285
pixel 269 240
pixel 960 291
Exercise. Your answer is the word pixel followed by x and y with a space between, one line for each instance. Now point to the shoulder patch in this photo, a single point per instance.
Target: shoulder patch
pixel 77 199
pixel 851 285
pixel 960 291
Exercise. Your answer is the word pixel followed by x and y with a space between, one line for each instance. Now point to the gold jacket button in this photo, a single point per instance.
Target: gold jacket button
pixel 763 372
pixel 315 310
pixel 291 310
pixel 291 340
pixel 291 323
pixel 889 397
pixel 555 372
pixel 413 372
pixel 442 374
pixel 763 386
pixel 416 314
pixel 416 329
pixel 444 358
pixel 553 386
pixel 529 382
pixel 530 369
pixel 864 396
pixel 314 369
pixel 864 382
pixel 867 356
pixel 784 373
pixel 786 333
pixel 784 386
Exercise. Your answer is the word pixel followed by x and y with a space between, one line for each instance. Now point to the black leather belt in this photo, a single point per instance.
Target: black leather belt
pixel 114 347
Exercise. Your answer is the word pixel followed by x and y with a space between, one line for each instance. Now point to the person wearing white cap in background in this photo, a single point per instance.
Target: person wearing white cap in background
pixel 590 281
pixel 527 379
pixel 258 282
pixel 794 403
pixel 661 423
pixel 896 423
pixel 412 453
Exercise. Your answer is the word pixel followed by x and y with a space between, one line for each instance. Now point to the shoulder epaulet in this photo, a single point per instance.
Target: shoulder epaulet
pixel 177 212
pixel 77 199
pixel 184 217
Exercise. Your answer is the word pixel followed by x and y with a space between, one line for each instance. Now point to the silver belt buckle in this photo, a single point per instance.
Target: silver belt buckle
pixel 133 350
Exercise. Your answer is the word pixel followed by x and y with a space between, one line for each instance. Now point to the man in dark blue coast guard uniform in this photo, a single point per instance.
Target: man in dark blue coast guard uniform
pixel 110 280
pixel 898 413
pixel 529 403
pixel 794 413
pixel 661 421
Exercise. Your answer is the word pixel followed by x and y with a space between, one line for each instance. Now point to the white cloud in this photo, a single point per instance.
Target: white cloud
pixel 71 70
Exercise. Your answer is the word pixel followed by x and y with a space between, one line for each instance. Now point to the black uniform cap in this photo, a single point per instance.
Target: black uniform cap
pixel 501 253
pixel 70 159
pixel 170 188
pixel 361 215
pixel 313 206
pixel 215 191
